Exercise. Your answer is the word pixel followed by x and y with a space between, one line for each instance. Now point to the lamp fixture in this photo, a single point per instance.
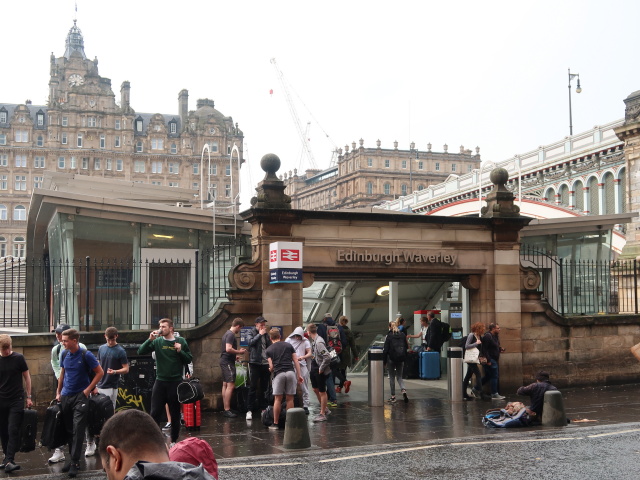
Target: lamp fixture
pixel 383 291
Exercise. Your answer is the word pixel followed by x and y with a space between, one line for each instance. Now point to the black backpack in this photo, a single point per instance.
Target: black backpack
pixel 445 331
pixel 398 348
pixel 90 372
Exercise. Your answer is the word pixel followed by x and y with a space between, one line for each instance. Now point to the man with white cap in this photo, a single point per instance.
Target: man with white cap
pixel 302 346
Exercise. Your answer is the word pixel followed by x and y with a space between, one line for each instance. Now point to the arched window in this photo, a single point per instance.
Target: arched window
pixel 3 212
pixel 3 246
pixel 609 194
pixel 387 188
pixel 594 197
pixel 420 188
pixel 18 247
pixel 578 187
pixel 564 196
pixel 550 195
pixel 369 188
pixel 623 191
pixel 19 212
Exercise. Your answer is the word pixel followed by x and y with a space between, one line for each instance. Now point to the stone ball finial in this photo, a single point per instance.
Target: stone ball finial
pixel 428 146
pixel 499 176
pixel 353 145
pixel 412 145
pixel 361 142
pixel 270 163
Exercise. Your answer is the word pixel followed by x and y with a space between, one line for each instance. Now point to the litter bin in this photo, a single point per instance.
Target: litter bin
pixel 376 378
pixel 454 364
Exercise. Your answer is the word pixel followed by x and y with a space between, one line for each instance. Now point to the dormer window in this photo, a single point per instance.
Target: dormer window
pixel 3 115
pixel 173 127
pixel 40 119
pixel 139 124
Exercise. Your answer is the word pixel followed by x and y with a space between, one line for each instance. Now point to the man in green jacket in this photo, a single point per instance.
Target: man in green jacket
pixel 172 354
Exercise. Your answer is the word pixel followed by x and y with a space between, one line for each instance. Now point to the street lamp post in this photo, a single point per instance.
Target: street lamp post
pixel 411 147
pixel 578 90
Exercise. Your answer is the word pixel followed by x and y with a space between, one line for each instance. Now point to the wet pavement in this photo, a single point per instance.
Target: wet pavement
pixel 428 416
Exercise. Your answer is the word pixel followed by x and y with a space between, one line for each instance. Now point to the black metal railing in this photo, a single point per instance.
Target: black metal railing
pixel 585 287
pixel 93 293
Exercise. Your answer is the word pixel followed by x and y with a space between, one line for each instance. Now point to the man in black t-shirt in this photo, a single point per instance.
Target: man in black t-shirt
pixel 282 360
pixel 13 370
pixel 228 364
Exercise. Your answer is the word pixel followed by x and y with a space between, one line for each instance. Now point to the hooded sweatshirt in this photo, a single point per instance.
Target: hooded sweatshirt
pixel 167 471
pixel 299 346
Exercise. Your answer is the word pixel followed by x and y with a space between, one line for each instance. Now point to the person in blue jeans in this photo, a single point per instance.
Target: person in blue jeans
pixel 492 350
pixel 328 321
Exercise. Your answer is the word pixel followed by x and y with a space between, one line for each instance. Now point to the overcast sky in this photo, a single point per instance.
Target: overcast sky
pixel 487 74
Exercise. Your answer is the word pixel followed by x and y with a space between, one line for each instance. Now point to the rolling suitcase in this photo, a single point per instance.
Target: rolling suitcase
pixel 429 365
pixel 411 365
pixel 28 431
pixel 100 410
pixel 53 432
pixel 192 415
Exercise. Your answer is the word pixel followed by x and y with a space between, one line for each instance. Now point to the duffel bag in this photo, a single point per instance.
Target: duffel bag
pixel 190 391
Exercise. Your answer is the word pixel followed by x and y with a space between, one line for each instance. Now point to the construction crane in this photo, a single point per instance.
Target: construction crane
pixel 294 114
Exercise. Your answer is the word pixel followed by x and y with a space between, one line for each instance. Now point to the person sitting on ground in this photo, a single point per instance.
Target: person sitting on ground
pixel 195 451
pixel 132 447
pixel 536 391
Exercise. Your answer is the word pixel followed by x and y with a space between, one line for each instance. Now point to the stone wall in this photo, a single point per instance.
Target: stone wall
pixel 578 351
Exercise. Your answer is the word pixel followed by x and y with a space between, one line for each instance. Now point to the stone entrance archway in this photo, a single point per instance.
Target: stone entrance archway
pixel 482 251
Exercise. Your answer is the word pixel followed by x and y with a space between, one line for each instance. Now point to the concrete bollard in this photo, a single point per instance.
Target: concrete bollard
pixel 553 414
pixel 296 429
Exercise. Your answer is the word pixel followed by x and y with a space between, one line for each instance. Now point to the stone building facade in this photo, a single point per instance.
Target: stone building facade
pixel 84 130
pixel 369 176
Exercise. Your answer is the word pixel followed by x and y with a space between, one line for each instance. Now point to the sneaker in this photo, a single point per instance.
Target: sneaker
pixel 57 456
pixel 91 449
pixel 347 386
pixel 229 414
pixel 476 393
pixel 249 415
pixel 73 469
pixel 497 396
pixel 338 389
pixel 167 426
pixel 327 413
pixel 320 418
pixel 331 404
pixel 404 395
pixel 392 400
pixel 274 427
pixel 10 467
pixel 306 410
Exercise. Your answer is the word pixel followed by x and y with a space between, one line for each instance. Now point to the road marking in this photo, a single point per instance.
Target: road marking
pixel 614 433
pixel 255 465
pixel 401 450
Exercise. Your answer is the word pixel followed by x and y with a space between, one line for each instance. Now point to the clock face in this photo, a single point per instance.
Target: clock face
pixel 75 80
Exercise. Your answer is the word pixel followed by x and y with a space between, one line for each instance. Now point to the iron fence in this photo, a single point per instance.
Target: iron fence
pixel 585 287
pixel 93 293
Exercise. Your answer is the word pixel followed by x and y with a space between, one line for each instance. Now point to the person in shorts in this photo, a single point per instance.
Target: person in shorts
pixel 320 368
pixel 282 361
pixel 228 364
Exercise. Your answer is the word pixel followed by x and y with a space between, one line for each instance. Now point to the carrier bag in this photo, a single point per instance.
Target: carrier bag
pixel 100 410
pixel 53 432
pixel 190 391
pixel 28 431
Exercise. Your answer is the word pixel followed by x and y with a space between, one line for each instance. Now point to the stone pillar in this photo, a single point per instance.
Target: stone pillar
pixel 629 133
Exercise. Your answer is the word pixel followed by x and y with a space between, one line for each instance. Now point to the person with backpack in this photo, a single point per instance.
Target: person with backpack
pixel 320 360
pixel 56 353
pixel 334 338
pixel 13 371
pixel 394 354
pixel 347 357
pixel 77 366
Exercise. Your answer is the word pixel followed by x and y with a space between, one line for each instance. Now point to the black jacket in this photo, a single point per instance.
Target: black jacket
pixel 433 337
pixel 491 347
pixel 255 345
pixel 536 391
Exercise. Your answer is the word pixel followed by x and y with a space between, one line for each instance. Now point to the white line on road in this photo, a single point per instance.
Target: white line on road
pixel 613 433
pixel 254 465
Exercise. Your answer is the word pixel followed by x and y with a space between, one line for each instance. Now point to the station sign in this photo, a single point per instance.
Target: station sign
pixel 285 262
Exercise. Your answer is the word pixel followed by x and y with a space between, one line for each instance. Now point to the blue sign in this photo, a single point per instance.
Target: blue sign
pixel 244 336
pixel 285 275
